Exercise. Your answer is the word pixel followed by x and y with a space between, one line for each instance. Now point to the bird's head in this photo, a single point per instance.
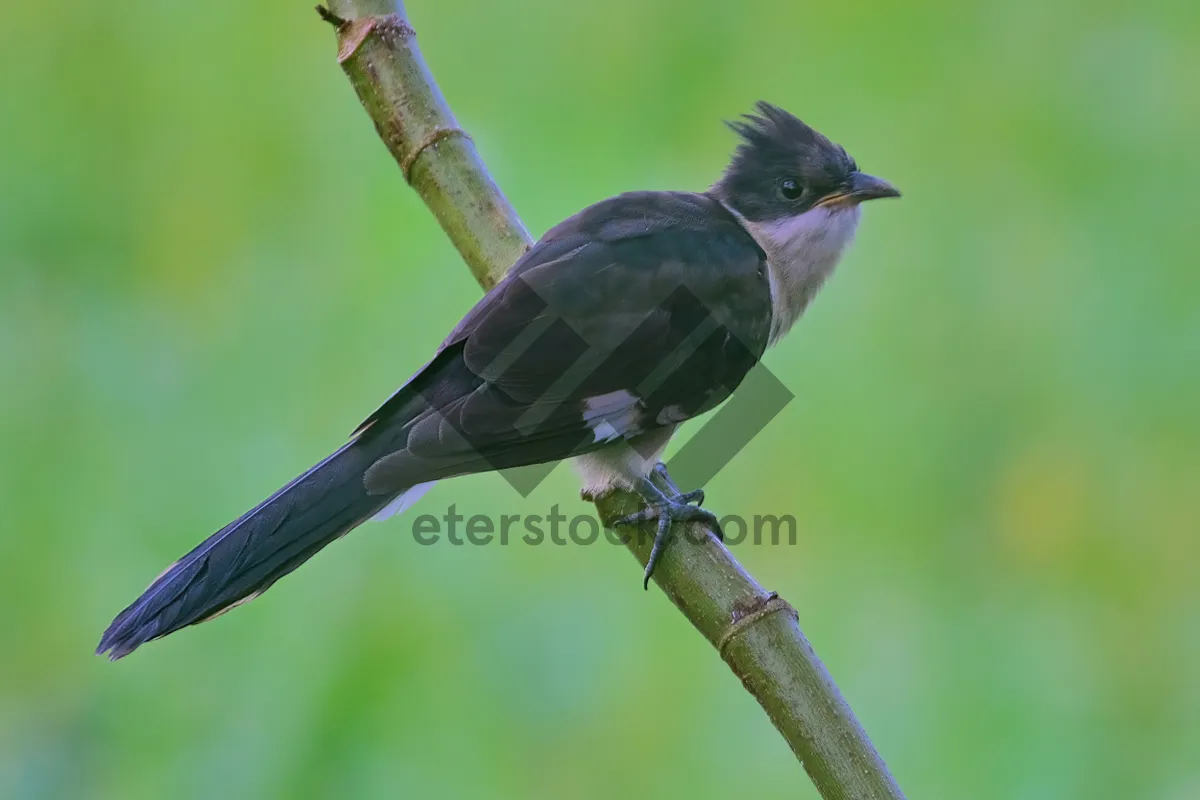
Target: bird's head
pixel 782 169
pixel 799 195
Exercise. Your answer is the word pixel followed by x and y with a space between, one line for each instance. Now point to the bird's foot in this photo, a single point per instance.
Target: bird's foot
pixel 697 496
pixel 667 505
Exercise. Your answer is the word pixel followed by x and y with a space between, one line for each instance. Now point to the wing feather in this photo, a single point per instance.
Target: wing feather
pixel 659 299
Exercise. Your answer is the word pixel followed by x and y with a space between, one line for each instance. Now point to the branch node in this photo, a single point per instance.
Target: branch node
pixel 746 615
pixel 330 17
pixel 435 136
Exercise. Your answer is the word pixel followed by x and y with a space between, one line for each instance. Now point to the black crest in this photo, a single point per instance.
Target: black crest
pixel 777 147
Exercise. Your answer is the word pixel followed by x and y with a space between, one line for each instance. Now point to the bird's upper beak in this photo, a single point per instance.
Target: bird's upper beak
pixel 860 187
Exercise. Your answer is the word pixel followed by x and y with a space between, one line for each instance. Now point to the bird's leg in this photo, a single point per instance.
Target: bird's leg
pixel 667 485
pixel 666 505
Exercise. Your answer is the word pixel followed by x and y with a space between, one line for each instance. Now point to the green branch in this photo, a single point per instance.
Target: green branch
pixel 753 630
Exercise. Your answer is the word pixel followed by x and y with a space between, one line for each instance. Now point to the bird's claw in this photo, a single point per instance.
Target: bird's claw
pixel 664 508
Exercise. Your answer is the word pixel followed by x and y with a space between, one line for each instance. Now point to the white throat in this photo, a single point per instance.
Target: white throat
pixel 801 253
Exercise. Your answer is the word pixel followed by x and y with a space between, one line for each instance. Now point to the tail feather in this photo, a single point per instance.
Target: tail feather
pixel 242 560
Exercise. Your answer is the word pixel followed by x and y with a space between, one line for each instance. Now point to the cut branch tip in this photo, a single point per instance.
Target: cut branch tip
pixel 330 17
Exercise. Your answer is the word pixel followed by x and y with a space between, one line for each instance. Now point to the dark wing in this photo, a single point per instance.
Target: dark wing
pixel 637 313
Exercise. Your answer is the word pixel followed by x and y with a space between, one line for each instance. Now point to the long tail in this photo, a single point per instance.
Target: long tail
pixel 242 560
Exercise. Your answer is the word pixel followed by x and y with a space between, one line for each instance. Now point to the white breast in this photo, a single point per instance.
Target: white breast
pixel 801 253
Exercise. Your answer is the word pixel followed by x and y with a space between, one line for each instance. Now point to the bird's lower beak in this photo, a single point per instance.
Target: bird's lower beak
pixel 861 187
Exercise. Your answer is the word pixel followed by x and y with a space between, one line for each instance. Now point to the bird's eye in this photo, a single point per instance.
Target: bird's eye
pixel 790 189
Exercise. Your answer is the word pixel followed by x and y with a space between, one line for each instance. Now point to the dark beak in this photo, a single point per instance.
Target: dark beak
pixel 868 187
pixel 860 187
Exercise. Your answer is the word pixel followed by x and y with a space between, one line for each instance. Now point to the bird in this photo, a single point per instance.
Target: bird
pixel 625 320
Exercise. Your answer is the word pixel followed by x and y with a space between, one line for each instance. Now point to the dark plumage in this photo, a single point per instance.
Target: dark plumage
pixel 617 287
pixel 636 314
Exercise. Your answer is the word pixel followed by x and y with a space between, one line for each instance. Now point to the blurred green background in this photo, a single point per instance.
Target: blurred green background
pixel 210 271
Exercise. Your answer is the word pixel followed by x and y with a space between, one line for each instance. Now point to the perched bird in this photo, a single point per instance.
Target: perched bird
pixel 636 314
